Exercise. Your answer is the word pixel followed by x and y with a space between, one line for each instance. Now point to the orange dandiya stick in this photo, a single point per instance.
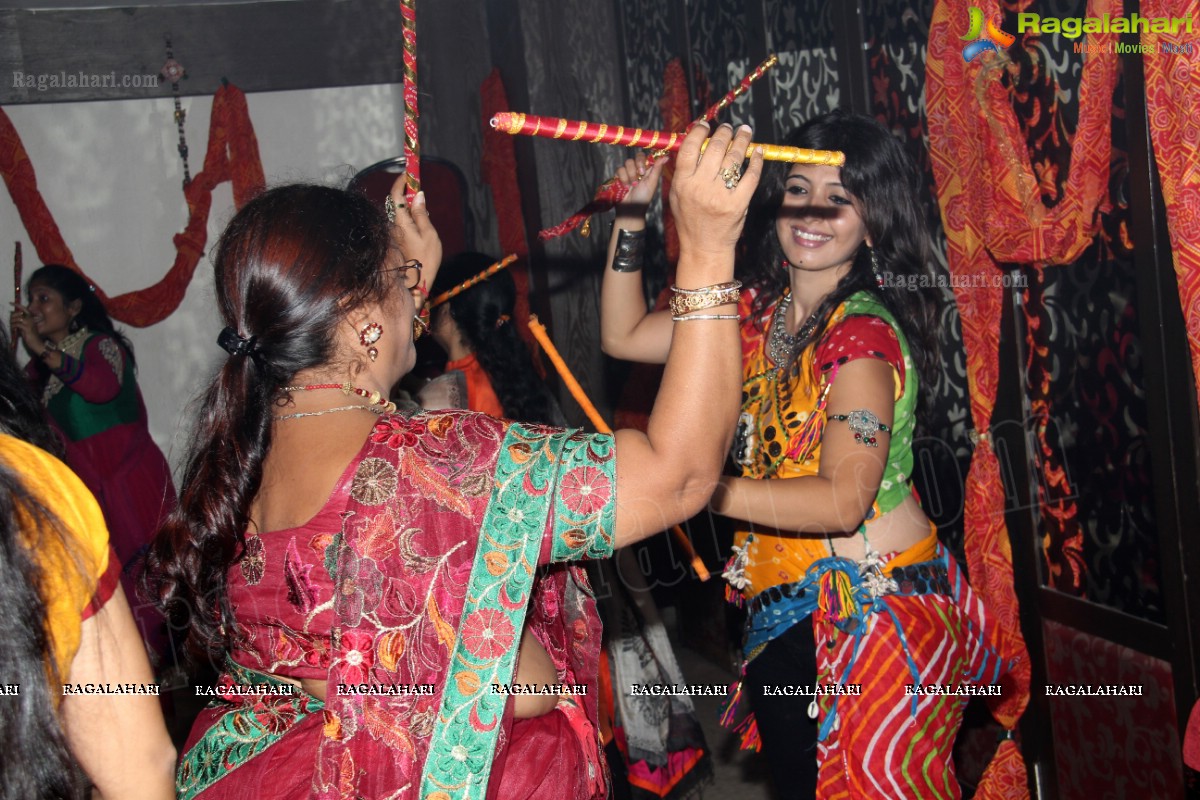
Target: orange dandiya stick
pixel 474 279
pixel 513 122
pixel 539 332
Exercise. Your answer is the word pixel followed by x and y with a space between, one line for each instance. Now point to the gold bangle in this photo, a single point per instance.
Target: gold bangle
pixel 687 300
pixel 703 316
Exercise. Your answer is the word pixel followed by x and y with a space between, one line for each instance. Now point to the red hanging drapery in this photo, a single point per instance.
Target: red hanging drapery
pixel 232 156
pixel 993 213
pixel 1172 100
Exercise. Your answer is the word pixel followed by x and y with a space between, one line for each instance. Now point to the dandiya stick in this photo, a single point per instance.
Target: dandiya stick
pixel 18 266
pixel 449 294
pixel 513 122
pixel 742 87
pixel 539 332
pixel 412 150
pixel 734 93
pixel 612 191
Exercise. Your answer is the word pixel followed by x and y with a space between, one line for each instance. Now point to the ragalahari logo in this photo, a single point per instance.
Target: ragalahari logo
pixel 986 35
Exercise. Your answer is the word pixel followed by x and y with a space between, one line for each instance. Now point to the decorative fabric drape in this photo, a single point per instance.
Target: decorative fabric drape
pixel 232 156
pixel 1172 97
pixel 993 213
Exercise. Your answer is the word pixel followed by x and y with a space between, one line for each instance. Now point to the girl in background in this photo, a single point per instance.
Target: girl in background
pixel 489 367
pixel 83 369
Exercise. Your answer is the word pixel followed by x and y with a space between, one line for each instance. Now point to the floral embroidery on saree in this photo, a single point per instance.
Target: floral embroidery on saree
pixel 464 739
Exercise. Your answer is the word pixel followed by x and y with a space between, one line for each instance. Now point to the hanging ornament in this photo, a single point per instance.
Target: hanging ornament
pixel 173 72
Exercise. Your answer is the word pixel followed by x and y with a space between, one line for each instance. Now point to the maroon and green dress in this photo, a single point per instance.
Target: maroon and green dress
pixel 93 401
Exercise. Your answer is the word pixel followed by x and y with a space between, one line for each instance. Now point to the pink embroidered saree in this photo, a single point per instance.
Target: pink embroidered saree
pixel 407 593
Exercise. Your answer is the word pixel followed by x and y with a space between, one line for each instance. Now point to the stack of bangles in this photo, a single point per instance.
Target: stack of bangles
pixel 686 301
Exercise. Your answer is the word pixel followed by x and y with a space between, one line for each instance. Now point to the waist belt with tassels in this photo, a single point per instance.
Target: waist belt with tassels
pixel 840 591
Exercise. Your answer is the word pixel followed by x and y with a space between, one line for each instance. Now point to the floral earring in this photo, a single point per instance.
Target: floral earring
pixel 368 336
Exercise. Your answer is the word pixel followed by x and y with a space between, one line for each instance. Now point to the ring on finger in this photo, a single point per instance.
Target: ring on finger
pixel 731 176
pixel 389 208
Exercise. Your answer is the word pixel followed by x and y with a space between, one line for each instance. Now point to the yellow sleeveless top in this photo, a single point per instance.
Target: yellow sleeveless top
pixel 71 561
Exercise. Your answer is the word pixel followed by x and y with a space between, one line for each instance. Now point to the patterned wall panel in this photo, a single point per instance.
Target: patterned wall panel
pixel 569 53
pixel 449 77
pixel 648 40
pixel 1111 747
pixel 716 31
pixel 805 83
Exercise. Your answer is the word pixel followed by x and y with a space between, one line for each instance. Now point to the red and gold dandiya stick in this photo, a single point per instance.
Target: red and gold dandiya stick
pixel 18 266
pixel 612 191
pixel 471 281
pixel 539 332
pixel 412 151
pixel 733 94
pixel 513 122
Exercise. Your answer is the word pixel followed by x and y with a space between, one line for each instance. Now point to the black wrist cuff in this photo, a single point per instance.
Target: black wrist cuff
pixel 631 248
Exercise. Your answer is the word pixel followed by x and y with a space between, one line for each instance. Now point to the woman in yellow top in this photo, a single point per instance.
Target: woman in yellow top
pixel 842 574
pixel 66 631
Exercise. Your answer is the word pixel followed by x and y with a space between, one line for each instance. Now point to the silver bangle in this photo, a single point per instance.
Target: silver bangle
pixel 631 250
pixel 716 287
pixel 689 317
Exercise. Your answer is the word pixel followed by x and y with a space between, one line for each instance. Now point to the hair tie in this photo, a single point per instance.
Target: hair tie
pixel 500 320
pixel 235 344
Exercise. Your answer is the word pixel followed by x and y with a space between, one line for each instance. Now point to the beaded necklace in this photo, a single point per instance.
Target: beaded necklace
pixel 378 404
pixel 376 398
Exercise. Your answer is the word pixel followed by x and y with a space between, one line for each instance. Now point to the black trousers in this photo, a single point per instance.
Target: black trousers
pixel 789 736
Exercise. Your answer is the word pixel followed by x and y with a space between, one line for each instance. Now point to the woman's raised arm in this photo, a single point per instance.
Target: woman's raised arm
pixel 668 474
pixel 627 331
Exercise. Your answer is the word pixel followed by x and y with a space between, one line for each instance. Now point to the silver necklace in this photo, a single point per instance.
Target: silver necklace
pixel 781 345
pixel 298 414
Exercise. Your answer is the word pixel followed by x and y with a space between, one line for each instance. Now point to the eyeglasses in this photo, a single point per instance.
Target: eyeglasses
pixel 411 270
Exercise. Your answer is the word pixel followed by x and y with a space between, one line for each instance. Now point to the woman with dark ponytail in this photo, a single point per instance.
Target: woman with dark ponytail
pixel 367 581
pixel 65 625
pixel 489 367
pixel 841 571
pixel 83 369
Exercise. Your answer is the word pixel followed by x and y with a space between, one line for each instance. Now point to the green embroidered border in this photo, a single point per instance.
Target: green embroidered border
pixel 238 736
pixel 463 743
pixel 581 529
